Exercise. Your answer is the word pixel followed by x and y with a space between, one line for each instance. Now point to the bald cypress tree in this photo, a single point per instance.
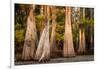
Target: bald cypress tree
pixel 43 50
pixel 30 41
pixel 53 32
pixel 68 49
pixel 81 48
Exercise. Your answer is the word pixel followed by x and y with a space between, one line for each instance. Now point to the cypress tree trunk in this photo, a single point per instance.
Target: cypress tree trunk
pixel 91 30
pixel 42 21
pixel 83 12
pixel 81 49
pixel 53 32
pixel 91 41
pixel 68 49
pixel 43 50
pixel 30 37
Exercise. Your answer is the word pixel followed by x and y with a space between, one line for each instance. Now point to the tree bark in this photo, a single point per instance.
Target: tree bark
pixel 53 32
pixel 68 49
pixel 42 21
pixel 81 48
pixel 43 50
pixel 30 37
pixel 83 12
pixel 91 30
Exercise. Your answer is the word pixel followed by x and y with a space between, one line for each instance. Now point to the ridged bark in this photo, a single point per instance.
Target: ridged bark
pixel 68 49
pixel 42 21
pixel 30 41
pixel 53 32
pixel 43 50
pixel 81 48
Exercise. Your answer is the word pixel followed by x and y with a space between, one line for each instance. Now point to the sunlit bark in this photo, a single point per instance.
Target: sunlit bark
pixel 81 49
pixel 53 32
pixel 68 49
pixel 83 12
pixel 43 50
pixel 30 36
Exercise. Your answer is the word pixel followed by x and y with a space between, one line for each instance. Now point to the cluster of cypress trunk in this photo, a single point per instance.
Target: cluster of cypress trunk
pixel 41 49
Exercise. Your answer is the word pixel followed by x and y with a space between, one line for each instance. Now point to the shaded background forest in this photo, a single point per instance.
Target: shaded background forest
pixel 21 14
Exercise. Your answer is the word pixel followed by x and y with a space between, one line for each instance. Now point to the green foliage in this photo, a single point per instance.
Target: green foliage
pixel 60 34
pixel 19 35
pixel 20 27
pixel 39 18
pixel 60 17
